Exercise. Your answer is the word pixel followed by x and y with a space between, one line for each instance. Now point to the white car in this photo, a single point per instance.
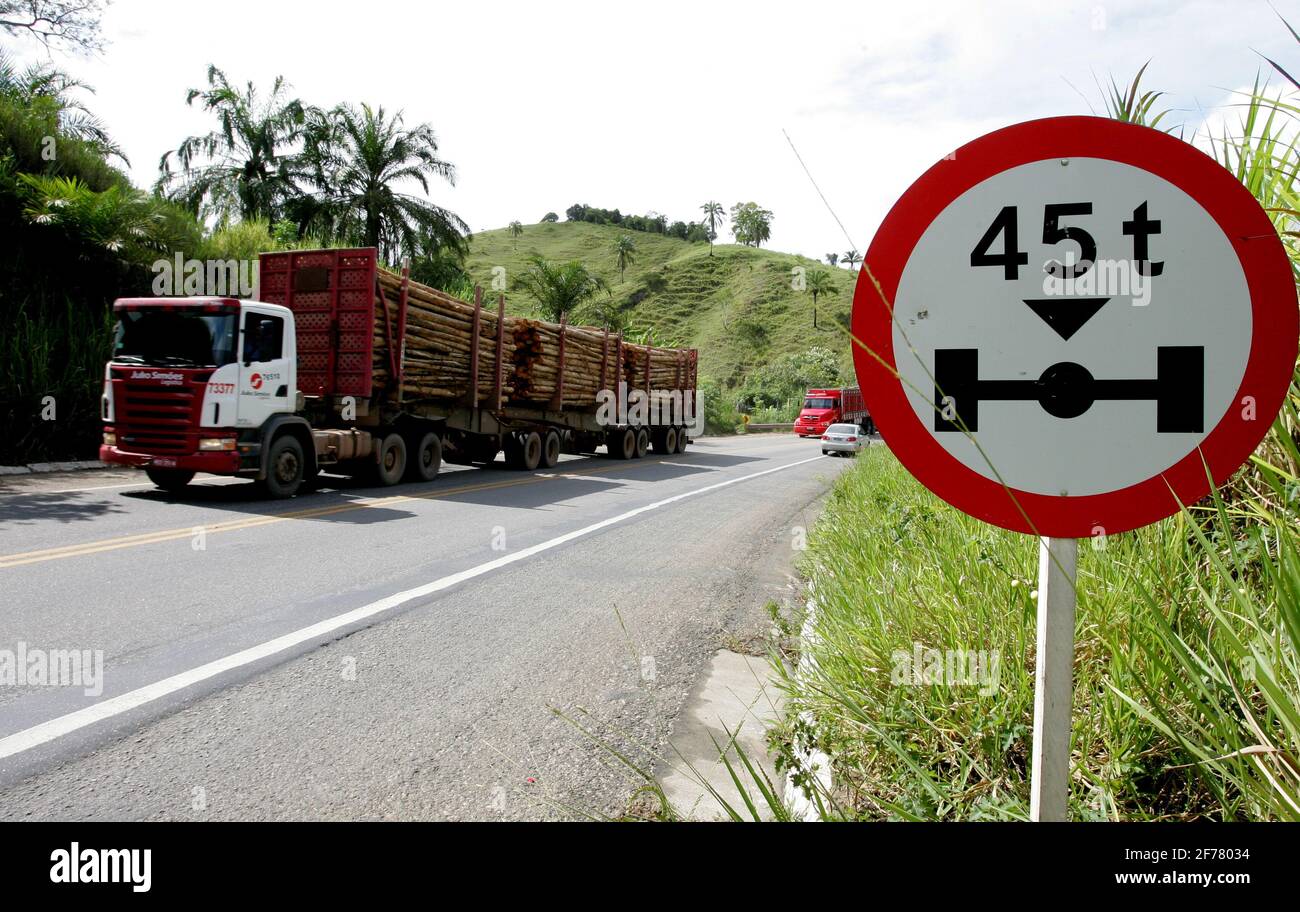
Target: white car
pixel 843 440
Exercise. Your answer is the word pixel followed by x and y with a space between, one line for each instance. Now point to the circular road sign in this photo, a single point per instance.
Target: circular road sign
pixel 1066 323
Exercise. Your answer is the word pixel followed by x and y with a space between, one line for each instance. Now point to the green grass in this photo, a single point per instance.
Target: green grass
pixel 737 307
pixel 1186 674
pixel 1187 659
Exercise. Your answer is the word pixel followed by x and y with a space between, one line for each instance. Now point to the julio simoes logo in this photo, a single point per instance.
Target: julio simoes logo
pixel 78 865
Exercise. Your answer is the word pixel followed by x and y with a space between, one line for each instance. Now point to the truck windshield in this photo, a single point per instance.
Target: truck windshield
pixel 819 403
pixel 174 338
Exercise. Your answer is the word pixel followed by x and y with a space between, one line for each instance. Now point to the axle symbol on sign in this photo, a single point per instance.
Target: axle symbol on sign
pixel 1067 390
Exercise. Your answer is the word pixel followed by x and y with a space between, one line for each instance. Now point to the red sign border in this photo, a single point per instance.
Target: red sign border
pixel 1268 372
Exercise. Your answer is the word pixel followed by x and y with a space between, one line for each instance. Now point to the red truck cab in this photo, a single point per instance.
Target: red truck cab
pixel 194 384
pixel 824 407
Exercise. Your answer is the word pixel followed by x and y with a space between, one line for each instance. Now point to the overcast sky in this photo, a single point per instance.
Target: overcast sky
pixel 664 105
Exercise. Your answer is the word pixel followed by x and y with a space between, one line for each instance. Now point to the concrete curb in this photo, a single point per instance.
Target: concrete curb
pixel 814 763
pixel 41 468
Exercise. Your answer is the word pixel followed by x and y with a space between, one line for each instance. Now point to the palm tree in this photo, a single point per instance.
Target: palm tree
pixel 625 253
pixel 559 288
pixel 852 257
pixel 714 216
pixel 119 222
pixel 819 283
pixel 242 168
pixel 516 229
pixel 832 259
pixel 41 91
pixel 360 158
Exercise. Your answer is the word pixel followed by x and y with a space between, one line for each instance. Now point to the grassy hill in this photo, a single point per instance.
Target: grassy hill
pixel 737 306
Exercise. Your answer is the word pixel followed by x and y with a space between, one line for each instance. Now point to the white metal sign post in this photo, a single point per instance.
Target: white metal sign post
pixel 1053 679
pixel 1058 329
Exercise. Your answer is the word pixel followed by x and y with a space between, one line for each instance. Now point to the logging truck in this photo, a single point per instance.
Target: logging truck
pixel 824 407
pixel 337 364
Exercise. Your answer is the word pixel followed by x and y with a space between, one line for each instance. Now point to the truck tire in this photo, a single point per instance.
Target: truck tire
pixel 550 450
pixel 642 442
pixel 392 460
pixel 425 458
pixel 285 468
pixel 666 441
pixel 171 480
pixel 621 444
pixel 530 451
pixel 682 439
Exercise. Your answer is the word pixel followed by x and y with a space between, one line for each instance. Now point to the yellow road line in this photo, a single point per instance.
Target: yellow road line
pixel 150 538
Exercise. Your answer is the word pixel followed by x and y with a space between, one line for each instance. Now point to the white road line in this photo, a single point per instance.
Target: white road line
pixel 129 484
pixel 114 706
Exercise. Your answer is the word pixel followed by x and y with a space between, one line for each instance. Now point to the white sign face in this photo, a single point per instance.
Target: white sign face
pixel 1087 320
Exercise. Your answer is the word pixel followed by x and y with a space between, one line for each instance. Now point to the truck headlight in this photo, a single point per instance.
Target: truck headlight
pixel 217 443
pixel 110 439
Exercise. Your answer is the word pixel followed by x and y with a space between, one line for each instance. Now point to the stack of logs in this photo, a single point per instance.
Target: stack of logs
pixel 439 333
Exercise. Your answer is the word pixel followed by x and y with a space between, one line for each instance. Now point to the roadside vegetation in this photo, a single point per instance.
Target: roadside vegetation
pixel 1187 668
pixel 274 172
pixel 1186 679
pixel 739 305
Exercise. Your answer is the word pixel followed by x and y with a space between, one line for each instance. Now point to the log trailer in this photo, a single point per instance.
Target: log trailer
pixel 340 365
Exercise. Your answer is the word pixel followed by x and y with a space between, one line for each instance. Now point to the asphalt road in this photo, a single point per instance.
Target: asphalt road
pixel 429 651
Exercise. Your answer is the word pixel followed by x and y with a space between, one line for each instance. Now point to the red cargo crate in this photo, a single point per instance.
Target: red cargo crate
pixel 332 296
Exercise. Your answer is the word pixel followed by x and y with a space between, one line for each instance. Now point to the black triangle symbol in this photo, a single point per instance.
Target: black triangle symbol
pixel 1066 315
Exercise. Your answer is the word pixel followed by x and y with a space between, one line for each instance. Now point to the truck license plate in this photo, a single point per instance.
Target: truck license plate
pixel 164 462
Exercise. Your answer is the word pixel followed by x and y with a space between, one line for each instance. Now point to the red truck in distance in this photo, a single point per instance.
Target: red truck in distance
pixel 824 407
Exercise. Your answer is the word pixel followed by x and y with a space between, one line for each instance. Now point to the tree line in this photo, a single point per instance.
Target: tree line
pixel 751 224
pixel 651 223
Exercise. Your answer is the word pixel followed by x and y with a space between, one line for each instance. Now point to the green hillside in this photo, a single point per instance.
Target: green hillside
pixel 738 307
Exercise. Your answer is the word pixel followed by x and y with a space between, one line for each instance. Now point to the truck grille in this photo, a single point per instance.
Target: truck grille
pixel 158 419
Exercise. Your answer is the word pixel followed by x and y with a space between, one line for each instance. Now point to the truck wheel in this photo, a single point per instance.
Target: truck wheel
pixel 550 450
pixel 530 456
pixel 642 442
pixel 171 480
pixel 666 441
pixel 621 444
pixel 426 459
pixel 682 440
pixel 392 460
pixel 284 468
